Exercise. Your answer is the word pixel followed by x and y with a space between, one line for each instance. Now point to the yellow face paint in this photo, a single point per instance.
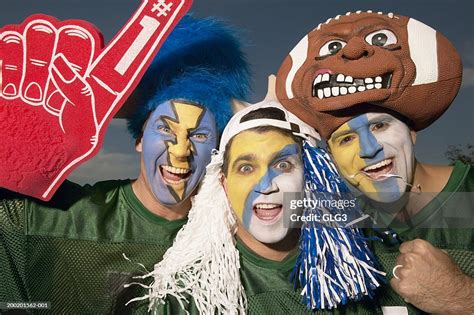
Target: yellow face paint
pixel 251 156
pixel 188 117
pixel 345 149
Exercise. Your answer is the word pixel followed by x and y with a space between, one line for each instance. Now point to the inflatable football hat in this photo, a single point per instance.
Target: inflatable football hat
pixel 392 62
pixel 334 266
pixel 201 62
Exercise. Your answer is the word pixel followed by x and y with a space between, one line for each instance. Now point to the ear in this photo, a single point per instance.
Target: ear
pixel 138 145
pixel 238 105
pixel 223 181
pixel 413 136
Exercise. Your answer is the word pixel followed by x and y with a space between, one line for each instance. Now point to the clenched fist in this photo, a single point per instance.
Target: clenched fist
pixel 59 88
pixel 430 280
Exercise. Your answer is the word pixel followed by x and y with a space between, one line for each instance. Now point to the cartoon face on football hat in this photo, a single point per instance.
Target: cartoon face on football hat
pixel 395 63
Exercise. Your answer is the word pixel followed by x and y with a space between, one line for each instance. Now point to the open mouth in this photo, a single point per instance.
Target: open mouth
pixel 174 175
pixel 268 212
pixel 379 170
pixel 327 84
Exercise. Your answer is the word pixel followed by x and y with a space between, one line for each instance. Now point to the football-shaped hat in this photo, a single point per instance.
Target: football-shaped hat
pixel 369 61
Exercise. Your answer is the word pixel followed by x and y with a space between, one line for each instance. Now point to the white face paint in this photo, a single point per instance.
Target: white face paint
pixel 272 230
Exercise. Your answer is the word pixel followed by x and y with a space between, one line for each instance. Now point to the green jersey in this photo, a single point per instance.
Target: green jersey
pixel 269 290
pixel 70 251
pixel 458 242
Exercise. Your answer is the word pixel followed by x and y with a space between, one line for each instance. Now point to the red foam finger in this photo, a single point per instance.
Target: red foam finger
pixel 11 50
pixel 83 97
pixel 120 67
pixel 40 40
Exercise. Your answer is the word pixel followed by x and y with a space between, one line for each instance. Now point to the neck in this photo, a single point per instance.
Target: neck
pixel 428 181
pixel 147 198
pixel 277 251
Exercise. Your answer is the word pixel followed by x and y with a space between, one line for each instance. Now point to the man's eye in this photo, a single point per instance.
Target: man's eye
pixel 199 137
pixel 284 166
pixel 379 126
pixel 346 140
pixel 331 47
pixel 165 130
pixel 246 169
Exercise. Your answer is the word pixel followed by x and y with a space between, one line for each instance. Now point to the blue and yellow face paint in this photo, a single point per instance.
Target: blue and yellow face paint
pixel 177 142
pixel 261 168
pixel 374 152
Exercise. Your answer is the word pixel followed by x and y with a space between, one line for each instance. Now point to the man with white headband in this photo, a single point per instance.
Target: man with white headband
pixel 258 165
pixel 368 81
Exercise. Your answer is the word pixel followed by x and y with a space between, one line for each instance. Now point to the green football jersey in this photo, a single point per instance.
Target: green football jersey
pixel 70 251
pixel 269 290
pixel 458 242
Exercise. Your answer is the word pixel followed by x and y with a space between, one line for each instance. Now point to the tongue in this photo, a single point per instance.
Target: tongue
pixel 172 176
pixel 267 214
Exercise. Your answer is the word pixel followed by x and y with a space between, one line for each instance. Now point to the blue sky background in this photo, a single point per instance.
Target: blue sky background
pixel 271 28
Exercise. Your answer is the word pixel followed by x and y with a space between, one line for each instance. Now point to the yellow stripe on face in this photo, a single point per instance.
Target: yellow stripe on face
pixel 345 149
pixel 257 149
pixel 188 117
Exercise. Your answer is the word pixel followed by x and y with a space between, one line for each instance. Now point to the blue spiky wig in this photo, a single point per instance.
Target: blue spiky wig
pixel 202 62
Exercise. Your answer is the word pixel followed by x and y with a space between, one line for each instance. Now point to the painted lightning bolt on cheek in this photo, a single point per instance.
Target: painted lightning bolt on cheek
pixel 374 152
pixel 262 167
pixel 177 143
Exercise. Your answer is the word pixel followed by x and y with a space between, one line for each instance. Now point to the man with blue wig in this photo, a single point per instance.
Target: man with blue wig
pixel 70 251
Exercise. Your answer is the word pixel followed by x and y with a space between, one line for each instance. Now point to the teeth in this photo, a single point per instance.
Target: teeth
pixel 318 79
pixel 327 92
pixel 378 165
pixel 320 94
pixel 175 170
pixel 267 205
pixel 334 89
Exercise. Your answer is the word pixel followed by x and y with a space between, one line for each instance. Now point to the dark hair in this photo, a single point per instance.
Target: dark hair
pixel 261 113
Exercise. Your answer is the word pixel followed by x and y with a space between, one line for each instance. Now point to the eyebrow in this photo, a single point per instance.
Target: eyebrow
pixel 341 133
pixel 380 119
pixel 246 157
pixel 288 150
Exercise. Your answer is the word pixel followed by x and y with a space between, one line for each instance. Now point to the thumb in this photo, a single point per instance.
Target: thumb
pixel 68 81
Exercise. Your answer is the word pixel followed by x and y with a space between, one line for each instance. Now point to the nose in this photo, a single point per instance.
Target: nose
pixel 369 146
pixel 267 185
pixel 181 149
pixel 356 49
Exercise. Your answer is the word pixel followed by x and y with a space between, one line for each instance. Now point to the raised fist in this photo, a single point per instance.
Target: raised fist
pixel 59 88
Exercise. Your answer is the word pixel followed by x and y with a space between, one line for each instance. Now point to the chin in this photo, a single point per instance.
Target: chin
pixel 269 237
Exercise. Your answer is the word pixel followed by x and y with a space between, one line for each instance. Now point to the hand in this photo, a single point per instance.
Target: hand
pixel 431 281
pixel 59 89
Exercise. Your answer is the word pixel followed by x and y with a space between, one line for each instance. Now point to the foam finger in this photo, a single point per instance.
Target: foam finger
pixel 39 42
pixel 11 56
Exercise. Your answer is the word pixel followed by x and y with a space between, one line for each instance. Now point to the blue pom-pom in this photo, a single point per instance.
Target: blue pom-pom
pixel 335 264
